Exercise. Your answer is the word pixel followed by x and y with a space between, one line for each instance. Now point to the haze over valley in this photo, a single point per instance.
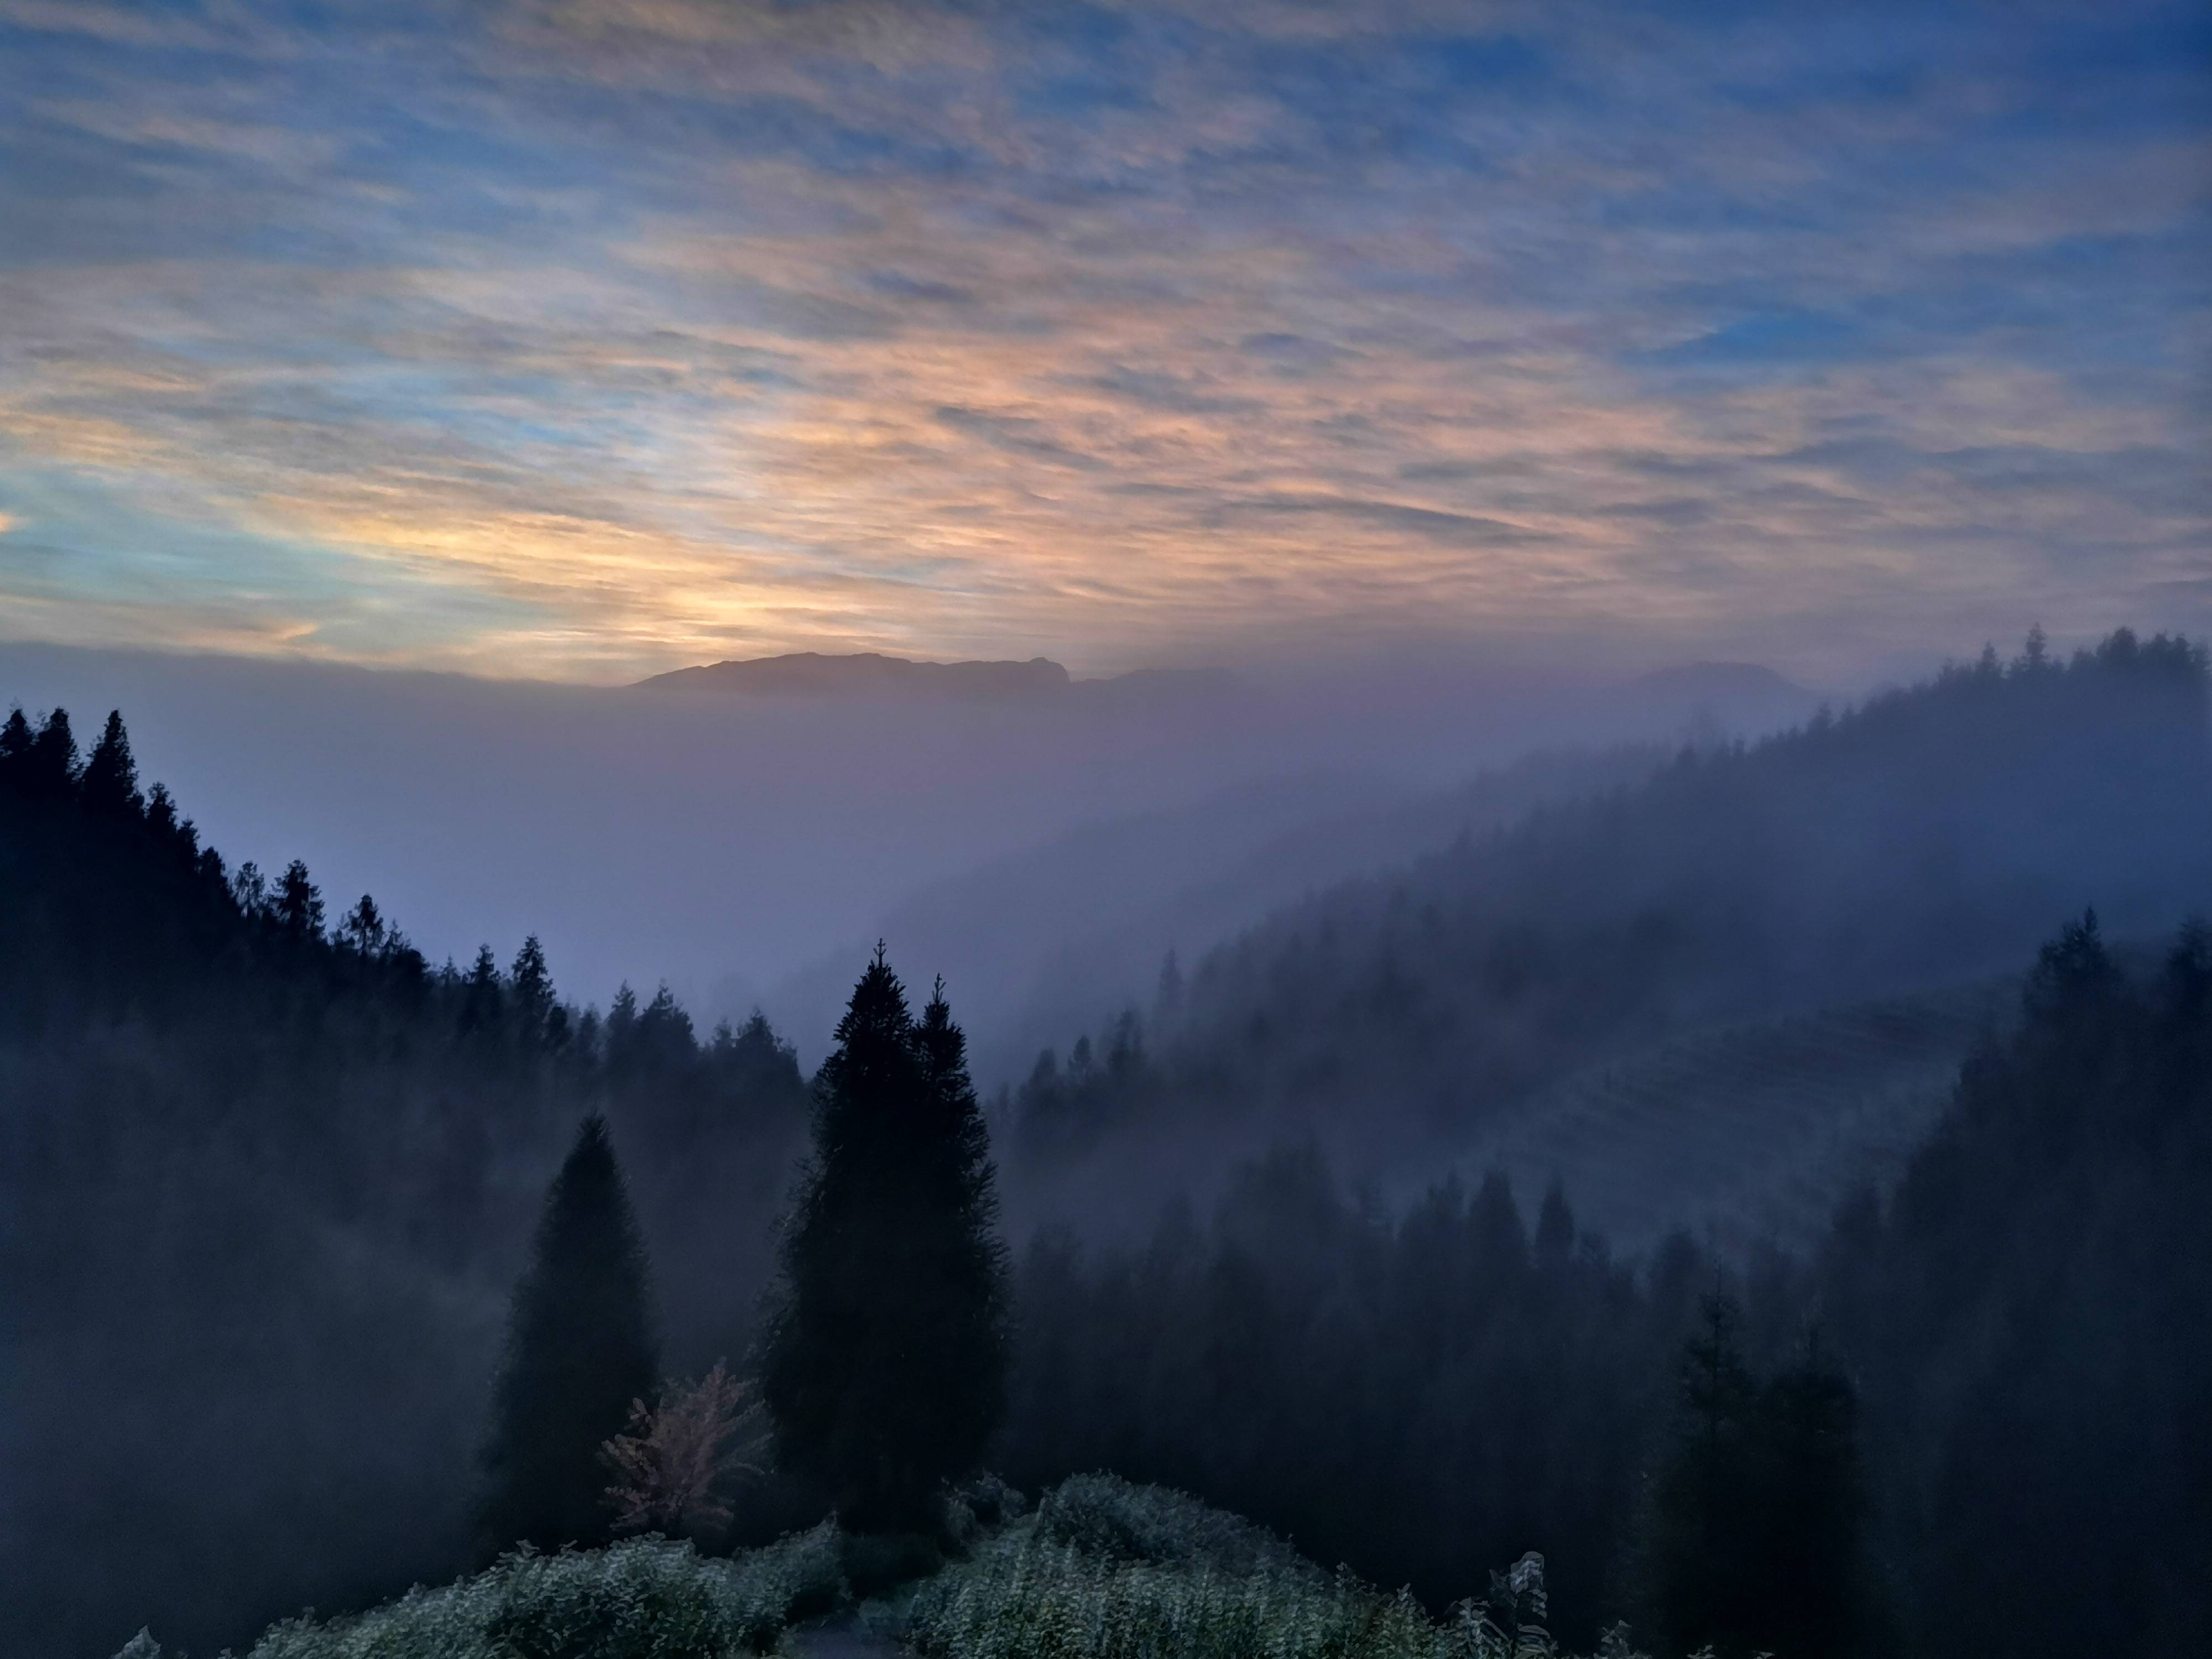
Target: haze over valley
pixel 1124 830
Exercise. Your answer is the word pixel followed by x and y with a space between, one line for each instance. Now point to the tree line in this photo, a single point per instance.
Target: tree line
pixel 291 1211
pixel 1931 835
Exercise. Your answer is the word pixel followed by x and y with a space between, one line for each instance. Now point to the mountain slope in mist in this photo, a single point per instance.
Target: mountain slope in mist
pixel 1036 940
pixel 1923 839
pixel 1746 1132
pixel 266 1177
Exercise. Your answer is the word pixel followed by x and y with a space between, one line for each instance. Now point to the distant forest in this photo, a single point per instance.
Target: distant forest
pixel 1928 836
pixel 268 1178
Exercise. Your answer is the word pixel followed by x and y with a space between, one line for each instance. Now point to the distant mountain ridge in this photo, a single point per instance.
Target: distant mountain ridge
pixel 1721 679
pixel 1684 957
pixel 863 674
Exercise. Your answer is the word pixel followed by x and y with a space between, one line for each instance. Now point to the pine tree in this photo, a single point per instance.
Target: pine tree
pixel 1807 1585
pixel 1704 1526
pixel 16 738
pixel 1759 1512
pixel 533 990
pixel 299 905
pixel 364 928
pixel 884 1371
pixel 964 1371
pixel 109 785
pixel 50 767
pixel 483 997
pixel 580 1349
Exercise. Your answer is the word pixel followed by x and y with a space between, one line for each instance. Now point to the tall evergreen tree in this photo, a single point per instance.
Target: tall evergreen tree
pixel 533 990
pixel 1703 1531
pixel 1757 1519
pixel 16 738
pixel 110 781
pixel 51 769
pixel 885 1364
pixel 581 1346
pixel 483 997
pixel 1808 1588
pixel 299 904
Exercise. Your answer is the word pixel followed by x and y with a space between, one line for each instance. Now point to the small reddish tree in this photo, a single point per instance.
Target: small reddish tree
pixel 672 1469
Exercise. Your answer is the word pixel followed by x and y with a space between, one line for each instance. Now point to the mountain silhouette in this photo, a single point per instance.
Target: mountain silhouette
pixel 869 674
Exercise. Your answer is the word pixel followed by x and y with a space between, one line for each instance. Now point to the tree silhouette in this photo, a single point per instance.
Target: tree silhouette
pixel 580 1349
pixel 109 784
pixel 532 981
pixel 1758 1512
pixel 483 999
pixel 886 1351
pixel 299 905
pixel 1704 1539
pixel 51 760
pixel 1809 1586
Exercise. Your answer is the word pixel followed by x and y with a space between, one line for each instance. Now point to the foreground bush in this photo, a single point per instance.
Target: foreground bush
pixel 1104 1516
pixel 643 1599
pixel 1110 1570
pixel 1103 1570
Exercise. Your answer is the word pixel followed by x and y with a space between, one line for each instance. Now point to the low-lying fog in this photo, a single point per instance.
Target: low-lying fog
pixel 1042 850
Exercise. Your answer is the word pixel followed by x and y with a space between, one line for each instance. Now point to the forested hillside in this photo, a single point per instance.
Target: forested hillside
pixel 2022 1325
pixel 266 1177
pixel 2028 1315
pixel 1931 837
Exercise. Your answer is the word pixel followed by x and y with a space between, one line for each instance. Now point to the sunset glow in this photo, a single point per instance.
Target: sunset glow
pixel 584 338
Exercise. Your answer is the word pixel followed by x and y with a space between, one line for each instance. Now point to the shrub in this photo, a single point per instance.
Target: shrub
pixel 673 1470
pixel 1111 1571
pixel 645 1598
pixel 1104 1516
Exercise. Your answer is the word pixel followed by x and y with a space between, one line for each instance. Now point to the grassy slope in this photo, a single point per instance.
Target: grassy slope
pixel 1102 1570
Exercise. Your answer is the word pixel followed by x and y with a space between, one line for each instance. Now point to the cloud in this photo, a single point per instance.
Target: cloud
pixel 1451 529
pixel 599 336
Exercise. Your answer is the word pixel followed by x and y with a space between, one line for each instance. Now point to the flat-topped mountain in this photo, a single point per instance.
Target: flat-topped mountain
pixel 867 673
pixel 864 674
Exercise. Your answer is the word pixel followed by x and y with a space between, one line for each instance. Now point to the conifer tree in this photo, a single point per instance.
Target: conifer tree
pixel 580 1349
pixel 483 999
pixel 51 769
pixel 1808 1582
pixel 299 905
pixel 884 1371
pixel 110 781
pixel 533 990
pixel 364 928
pixel 15 740
pixel 1704 1528
pixel 1757 1545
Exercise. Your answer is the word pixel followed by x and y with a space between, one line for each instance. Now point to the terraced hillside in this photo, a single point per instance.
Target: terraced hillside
pixel 1746 1130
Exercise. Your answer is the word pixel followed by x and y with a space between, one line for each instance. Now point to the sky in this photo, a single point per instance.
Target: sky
pixel 582 339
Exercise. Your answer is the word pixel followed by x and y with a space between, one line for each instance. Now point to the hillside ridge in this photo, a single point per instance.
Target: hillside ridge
pixel 864 674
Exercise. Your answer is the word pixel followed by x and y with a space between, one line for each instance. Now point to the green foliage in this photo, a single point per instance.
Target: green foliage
pixel 642 1599
pixel 1110 1570
pixel 1102 1516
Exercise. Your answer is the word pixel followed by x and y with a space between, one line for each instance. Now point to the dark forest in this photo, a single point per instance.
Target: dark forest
pixel 298 1225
